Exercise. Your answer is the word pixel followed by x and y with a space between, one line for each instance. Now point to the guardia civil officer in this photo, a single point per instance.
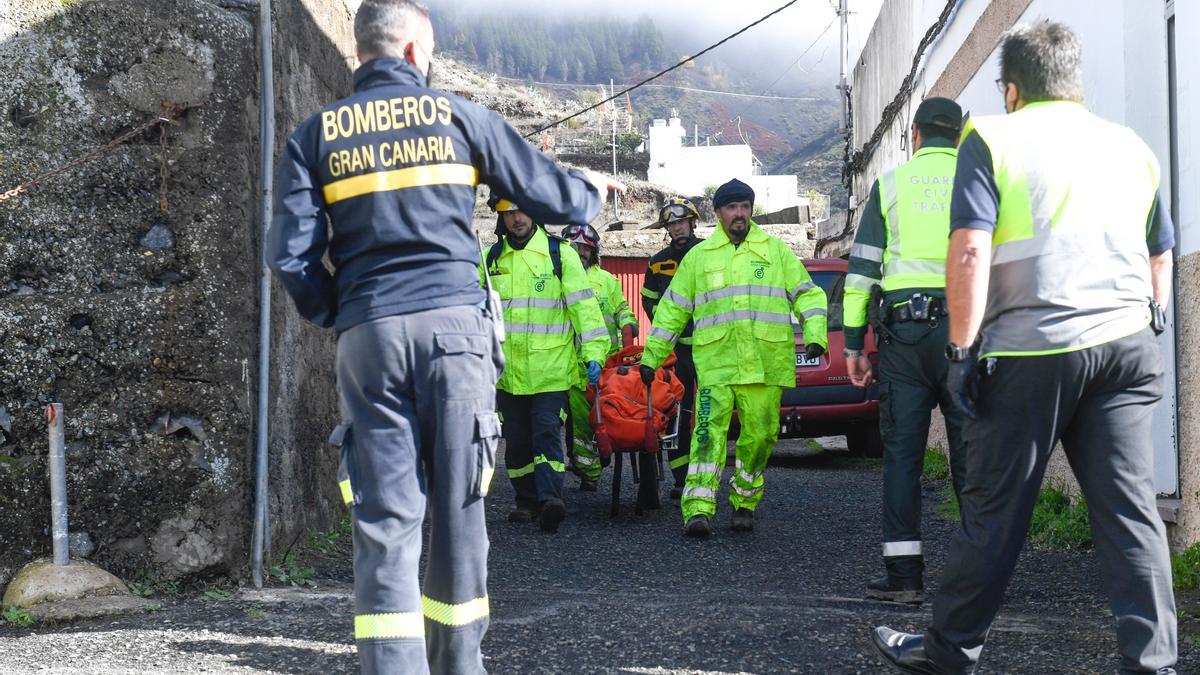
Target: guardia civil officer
pixel 741 287
pixel 1060 258
pixel 901 246
pixel 393 168
pixel 678 217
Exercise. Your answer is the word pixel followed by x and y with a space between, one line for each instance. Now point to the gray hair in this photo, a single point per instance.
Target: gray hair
pixel 1044 60
pixel 383 27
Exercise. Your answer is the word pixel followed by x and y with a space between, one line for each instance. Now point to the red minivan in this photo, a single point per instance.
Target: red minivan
pixel 823 402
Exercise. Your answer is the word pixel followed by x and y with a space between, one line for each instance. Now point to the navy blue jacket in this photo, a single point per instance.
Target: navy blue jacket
pixel 394 167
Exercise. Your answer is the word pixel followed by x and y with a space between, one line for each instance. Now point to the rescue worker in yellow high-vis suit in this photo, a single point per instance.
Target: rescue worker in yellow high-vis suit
pixel 622 329
pixel 547 302
pixel 741 288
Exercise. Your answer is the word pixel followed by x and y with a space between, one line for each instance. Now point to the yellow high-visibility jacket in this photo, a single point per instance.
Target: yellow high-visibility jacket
pixel 742 300
pixel 542 316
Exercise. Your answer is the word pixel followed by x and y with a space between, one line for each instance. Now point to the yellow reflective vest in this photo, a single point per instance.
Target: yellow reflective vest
pixel 742 300
pixel 543 315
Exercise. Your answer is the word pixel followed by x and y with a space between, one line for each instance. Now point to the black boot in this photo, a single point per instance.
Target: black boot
pixel 698 526
pixel 550 514
pixel 905 651
pixel 743 520
pixel 587 484
pixel 891 589
pixel 520 514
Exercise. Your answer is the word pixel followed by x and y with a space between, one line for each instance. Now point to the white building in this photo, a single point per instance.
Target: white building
pixel 1142 69
pixel 689 170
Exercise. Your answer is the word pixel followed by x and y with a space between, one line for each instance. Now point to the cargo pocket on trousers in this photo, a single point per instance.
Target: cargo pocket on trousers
pixel 343 438
pixel 887 422
pixel 461 366
pixel 487 437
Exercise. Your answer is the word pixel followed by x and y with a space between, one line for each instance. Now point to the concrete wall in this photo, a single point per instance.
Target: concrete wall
pixel 129 334
pixel 1187 302
pixel 145 342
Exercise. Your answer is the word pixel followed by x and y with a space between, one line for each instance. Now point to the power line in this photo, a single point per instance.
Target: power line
pixel 568 85
pixel 786 71
pixel 660 73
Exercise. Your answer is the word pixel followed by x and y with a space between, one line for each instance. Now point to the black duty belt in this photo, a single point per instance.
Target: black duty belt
pixel 919 307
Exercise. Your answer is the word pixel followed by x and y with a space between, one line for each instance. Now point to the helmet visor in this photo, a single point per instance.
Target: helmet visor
pixel 673 212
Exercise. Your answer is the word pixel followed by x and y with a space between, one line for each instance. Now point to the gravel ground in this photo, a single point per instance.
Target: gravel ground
pixel 634 596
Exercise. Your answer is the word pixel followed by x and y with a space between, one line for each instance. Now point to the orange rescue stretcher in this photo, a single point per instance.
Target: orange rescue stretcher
pixel 630 418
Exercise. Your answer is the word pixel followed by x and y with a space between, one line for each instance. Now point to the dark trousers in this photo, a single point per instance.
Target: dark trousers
pixel 533 444
pixel 685 370
pixel 912 383
pixel 416 397
pixel 1099 402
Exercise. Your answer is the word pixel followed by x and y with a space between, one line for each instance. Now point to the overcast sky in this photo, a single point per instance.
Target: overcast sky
pixel 775 44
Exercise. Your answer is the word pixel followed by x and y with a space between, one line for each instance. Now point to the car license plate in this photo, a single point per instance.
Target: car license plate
pixel 803 361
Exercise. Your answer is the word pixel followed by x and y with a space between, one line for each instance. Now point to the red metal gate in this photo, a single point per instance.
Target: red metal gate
pixel 630 272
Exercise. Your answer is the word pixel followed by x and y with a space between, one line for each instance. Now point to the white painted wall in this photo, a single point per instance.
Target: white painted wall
pixel 689 170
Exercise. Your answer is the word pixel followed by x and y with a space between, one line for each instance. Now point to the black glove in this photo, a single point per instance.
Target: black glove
pixel 647 374
pixel 962 381
pixel 813 350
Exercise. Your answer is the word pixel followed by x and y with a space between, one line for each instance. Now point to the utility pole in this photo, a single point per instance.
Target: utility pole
pixel 616 203
pixel 844 51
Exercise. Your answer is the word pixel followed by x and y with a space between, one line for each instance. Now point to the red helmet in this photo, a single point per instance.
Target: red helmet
pixel 581 234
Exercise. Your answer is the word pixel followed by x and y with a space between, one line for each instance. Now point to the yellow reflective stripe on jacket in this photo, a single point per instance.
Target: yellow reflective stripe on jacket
pixel 742 315
pixel 347 491
pixel 399 179
pixel 533 303
pixel 538 328
pixel 389 625
pixel 455 615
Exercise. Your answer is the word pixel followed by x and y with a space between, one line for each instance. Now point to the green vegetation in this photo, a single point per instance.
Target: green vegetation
pixel 948 509
pixel 330 541
pixel 1059 521
pixel 216 595
pixel 148 587
pixel 293 572
pixel 936 467
pixel 256 614
pixel 1185 569
pixel 531 45
pixel 16 616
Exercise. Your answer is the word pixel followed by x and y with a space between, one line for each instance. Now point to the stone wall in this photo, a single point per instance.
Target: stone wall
pixel 143 320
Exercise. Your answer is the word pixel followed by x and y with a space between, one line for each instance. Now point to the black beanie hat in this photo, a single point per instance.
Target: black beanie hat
pixel 733 191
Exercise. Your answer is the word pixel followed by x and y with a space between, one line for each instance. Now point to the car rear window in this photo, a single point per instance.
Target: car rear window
pixel 833 283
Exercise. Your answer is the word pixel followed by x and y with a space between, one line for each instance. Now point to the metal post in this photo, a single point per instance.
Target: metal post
pixel 616 200
pixel 58 485
pixel 844 51
pixel 266 131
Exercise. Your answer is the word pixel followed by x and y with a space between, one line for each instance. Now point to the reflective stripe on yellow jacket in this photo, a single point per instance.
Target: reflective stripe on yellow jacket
pixel 742 300
pixel 542 316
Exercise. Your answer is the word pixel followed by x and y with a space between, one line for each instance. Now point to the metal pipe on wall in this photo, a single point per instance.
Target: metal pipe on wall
pixel 58 485
pixel 266 133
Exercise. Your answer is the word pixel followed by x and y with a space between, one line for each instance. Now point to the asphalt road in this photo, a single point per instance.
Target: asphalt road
pixel 632 595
